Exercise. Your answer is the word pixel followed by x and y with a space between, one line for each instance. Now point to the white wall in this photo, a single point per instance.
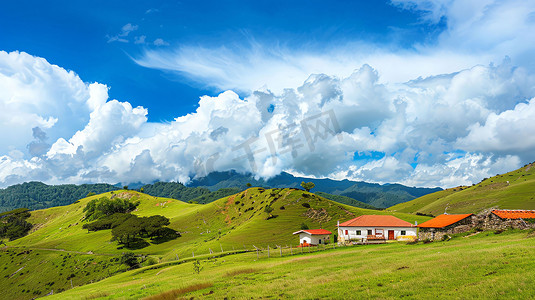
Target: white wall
pixel 352 234
pixel 313 239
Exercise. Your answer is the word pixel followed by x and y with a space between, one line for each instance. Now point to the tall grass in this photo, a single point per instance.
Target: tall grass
pixel 173 294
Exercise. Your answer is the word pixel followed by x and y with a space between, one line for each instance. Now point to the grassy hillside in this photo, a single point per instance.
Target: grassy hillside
pixel 235 222
pixel 483 266
pixel 231 221
pixel 513 190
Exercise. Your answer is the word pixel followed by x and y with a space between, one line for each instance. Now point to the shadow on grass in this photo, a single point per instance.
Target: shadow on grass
pixel 137 244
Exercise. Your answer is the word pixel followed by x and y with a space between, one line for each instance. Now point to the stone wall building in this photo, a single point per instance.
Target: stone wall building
pixel 500 219
pixel 436 228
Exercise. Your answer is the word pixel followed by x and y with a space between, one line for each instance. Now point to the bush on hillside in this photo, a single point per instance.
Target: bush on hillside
pixel 306 205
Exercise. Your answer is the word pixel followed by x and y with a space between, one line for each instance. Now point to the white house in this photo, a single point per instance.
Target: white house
pixel 375 227
pixel 313 236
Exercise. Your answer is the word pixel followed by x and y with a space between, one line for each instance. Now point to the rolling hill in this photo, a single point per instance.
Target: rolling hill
pixel 513 190
pixel 37 195
pixel 234 222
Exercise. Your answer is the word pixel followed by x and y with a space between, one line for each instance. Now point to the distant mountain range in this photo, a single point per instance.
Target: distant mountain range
pixel 37 195
pixel 374 194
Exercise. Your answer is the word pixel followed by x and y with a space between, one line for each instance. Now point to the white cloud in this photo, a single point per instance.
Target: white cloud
pixel 477 32
pixel 123 35
pixel 433 123
pixel 160 42
pixel 140 39
pixel 441 114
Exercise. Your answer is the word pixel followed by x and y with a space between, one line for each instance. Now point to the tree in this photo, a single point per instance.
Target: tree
pixel 249 184
pixel 307 185
pixel 304 226
pixel 142 190
pixel 98 208
pixel 90 194
pixel 125 187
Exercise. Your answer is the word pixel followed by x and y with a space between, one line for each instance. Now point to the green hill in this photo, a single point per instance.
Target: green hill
pixel 235 222
pixel 513 190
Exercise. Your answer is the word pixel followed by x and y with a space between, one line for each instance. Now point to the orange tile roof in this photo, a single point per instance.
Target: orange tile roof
pixel 515 214
pixel 376 221
pixel 314 231
pixel 443 221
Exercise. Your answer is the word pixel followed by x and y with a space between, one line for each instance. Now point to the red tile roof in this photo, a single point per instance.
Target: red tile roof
pixel 515 214
pixel 314 231
pixel 376 221
pixel 443 221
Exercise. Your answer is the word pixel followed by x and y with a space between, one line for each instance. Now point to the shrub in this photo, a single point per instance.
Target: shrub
pixel 498 231
pixel 304 226
pixel 129 259
pixel 306 205
pixel 282 207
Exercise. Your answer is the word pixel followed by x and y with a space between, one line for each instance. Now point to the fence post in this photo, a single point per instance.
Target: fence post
pixel 291 252
pixel 221 248
pixel 280 247
pixel 268 251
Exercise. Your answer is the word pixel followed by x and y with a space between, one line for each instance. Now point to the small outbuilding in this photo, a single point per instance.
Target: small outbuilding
pixel 436 228
pixel 501 219
pixel 313 237
pixel 375 228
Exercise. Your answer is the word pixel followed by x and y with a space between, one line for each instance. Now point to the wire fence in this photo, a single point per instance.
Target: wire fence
pixel 263 252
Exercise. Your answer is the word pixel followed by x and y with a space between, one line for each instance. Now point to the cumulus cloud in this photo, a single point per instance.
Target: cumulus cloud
pixel 440 114
pixel 426 132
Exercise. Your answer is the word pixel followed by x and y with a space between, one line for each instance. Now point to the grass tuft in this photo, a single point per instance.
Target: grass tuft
pixel 240 271
pixel 97 295
pixel 173 294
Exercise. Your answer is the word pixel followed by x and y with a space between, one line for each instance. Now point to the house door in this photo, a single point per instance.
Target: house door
pixel 391 234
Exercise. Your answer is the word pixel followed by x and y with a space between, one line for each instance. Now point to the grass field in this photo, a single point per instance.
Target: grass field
pixel 513 190
pixel 232 223
pixel 484 266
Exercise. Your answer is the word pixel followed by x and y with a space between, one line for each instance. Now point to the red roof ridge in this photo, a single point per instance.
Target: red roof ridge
pixel 376 221
pixel 514 214
pixel 314 231
pixel 444 220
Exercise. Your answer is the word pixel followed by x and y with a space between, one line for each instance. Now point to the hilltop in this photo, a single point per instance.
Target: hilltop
pixel 376 195
pixel 512 190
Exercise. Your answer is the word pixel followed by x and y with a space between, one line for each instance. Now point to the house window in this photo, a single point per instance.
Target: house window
pixel 346 232
pixel 370 232
pixel 358 232
pixel 403 232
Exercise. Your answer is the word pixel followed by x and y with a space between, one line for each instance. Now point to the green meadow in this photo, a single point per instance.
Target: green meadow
pixel 483 266
pixel 232 224
pixel 215 255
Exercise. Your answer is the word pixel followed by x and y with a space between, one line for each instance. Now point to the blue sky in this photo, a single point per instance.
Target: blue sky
pixel 425 93
pixel 75 35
